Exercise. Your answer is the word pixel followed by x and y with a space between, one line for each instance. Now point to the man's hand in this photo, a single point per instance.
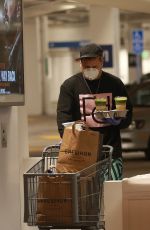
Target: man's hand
pixel 112 121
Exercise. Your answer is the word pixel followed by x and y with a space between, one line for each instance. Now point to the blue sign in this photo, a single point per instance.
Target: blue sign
pixel 67 44
pixel 137 41
pixel 107 49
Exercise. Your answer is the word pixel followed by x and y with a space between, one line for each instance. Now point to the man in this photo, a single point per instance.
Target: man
pixel 77 97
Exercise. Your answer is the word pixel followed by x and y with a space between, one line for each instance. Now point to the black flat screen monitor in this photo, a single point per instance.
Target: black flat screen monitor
pixel 11 53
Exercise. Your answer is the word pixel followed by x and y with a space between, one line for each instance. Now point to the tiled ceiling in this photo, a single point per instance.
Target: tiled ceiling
pixel 31 3
pixel 71 11
pixel 34 8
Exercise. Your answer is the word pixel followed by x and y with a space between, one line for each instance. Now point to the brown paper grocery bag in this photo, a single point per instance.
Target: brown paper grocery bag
pixel 79 149
pixel 54 200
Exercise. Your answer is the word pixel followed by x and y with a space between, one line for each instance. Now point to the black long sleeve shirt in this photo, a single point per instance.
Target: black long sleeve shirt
pixel 68 107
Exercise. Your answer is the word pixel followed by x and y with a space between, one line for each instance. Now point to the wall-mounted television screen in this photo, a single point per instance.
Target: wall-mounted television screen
pixel 11 53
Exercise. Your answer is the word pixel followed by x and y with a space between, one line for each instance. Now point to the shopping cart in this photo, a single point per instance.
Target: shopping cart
pixel 65 200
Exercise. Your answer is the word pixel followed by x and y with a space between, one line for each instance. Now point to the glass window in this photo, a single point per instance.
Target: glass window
pixel 141 97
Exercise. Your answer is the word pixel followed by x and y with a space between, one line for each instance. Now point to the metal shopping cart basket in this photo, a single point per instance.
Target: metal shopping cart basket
pixel 65 200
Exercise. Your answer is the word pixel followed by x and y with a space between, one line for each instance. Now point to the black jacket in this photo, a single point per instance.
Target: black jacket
pixel 68 107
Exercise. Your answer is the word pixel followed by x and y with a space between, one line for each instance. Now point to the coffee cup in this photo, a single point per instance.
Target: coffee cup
pixel 120 103
pixel 100 104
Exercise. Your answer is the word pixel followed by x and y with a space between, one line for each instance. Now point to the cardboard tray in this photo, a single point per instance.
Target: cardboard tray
pixel 110 114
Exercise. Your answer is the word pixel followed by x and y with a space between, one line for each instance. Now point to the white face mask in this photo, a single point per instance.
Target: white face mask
pixel 91 73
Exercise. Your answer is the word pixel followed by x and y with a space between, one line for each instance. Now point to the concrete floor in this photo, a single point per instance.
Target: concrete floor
pixel 42 132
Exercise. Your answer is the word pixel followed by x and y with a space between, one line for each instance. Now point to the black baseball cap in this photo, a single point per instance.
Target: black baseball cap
pixel 90 51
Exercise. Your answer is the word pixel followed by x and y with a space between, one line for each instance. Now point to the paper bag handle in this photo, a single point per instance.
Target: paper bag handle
pixel 79 122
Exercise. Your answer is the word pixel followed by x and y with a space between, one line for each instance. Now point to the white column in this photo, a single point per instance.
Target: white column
pixel 105 30
pixel 61 69
pixel 33 66
pixel 46 64
pixel 15 121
